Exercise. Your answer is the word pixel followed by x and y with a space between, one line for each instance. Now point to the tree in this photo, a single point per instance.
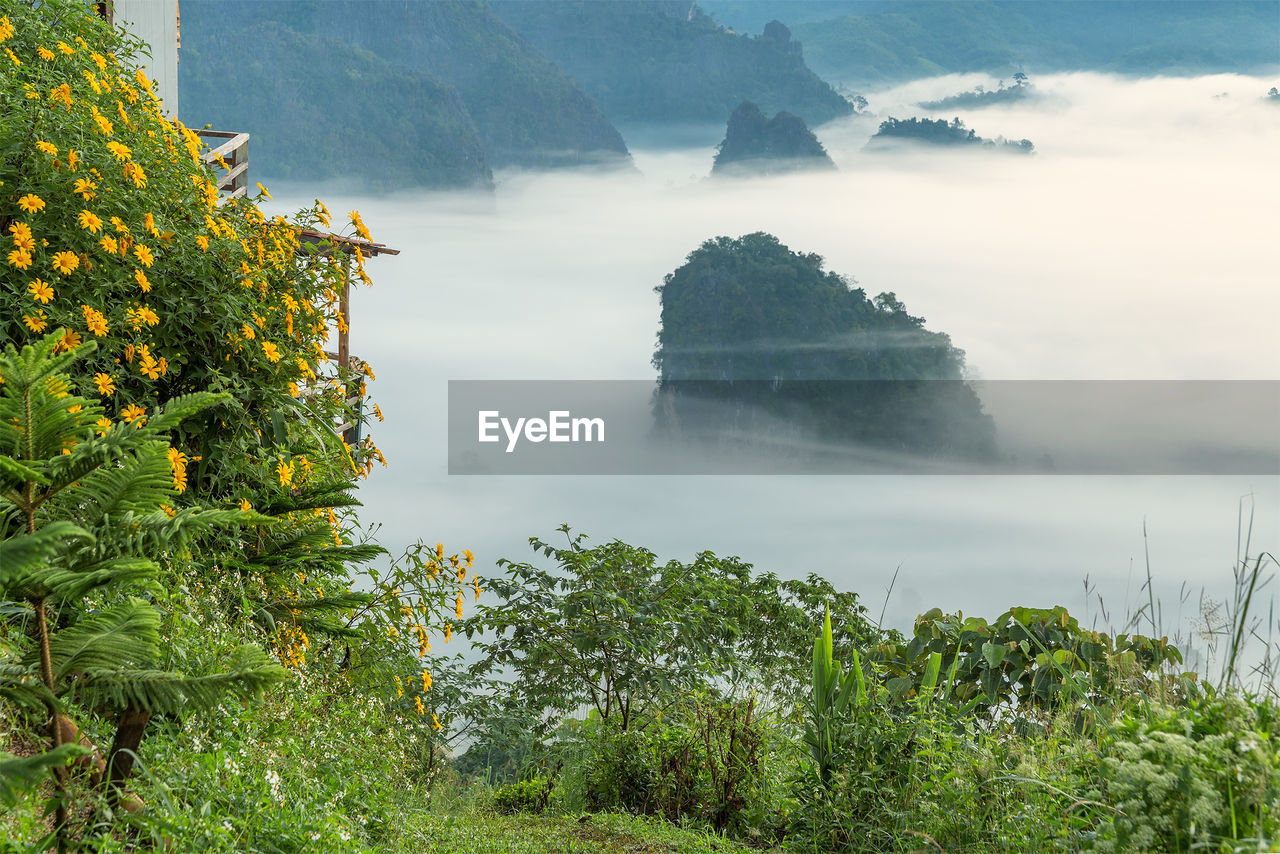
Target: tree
pixel 83 514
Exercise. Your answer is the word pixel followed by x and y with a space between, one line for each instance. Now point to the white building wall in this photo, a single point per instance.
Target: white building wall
pixel 156 23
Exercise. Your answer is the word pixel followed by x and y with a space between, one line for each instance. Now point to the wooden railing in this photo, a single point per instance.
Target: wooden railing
pixel 234 151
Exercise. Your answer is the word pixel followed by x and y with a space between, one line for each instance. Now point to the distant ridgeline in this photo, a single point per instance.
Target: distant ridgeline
pixel 754 335
pixel 665 61
pixel 867 43
pixel 757 145
pixel 416 93
pixel 941 132
pixel 1021 90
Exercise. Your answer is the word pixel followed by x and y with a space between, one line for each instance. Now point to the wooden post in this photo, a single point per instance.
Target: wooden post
pixel 344 350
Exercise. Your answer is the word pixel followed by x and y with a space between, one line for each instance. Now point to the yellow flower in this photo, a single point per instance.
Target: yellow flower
pixel 168 511
pixel 448 631
pixel 40 291
pixel 202 240
pixel 285 472
pixel 6 29
pixel 31 203
pixel 476 583
pixel 147 316
pixel 85 187
pixel 119 225
pixel 20 258
pixel 95 321
pixel 426 680
pixel 435 723
pixel 109 244
pixel 14 57
pixel 245 506
pixel 66 48
pixel 66 263
pixel 132 413
pixel 143 281
pixel 106 386
pixel 104 424
pixel 47 147
pixel 178 466
pixel 149 223
pixel 62 93
pixel 121 151
pixel 22 235
pixel 263 190
pixel 99 60
pixel 35 322
pixel 457 608
pixel 144 255
pixel 141 77
pixel 89 221
pixel 417 702
pixel 247 331
pixel 72 159
pixel 272 353
pixel 439 551
pixel 70 341
pixel 45 53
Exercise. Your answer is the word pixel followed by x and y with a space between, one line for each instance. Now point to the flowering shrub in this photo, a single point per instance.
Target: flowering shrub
pixel 112 227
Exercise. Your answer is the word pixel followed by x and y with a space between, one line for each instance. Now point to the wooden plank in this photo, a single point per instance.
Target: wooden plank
pixel 228 181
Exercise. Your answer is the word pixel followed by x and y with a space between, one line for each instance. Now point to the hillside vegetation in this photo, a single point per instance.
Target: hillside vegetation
pixel 665 61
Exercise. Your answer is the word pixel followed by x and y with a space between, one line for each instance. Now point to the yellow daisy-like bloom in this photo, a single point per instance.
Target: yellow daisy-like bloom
pixel 144 255
pixel 103 424
pixel 134 172
pixel 178 466
pixel 149 223
pixel 417 702
pixel 271 352
pixel 31 203
pixel 121 151
pixel 35 322
pixel 73 159
pixel 70 341
pixel 85 187
pixel 426 680
pixel 6 29
pixel 66 263
pixel 475 582
pixel 435 723
pixel 168 511
pixel 143 82
pixel 147 316
pixel 247 332
pixel 89 221
pixel 245 506
pixel 457 608
pixel 21 234
pixel 106 386
pixel 62 93
pixel 143 281
pixel 109 245
pixel 119 225
pixel 439 551
pixel 13 57
pixel 469 556
pixel 95 321
pixel 46 54
pixel 263 190
pixel 47 147
pixel 448 632
pixel 66 48
pixel 132 413
pixel 284 471
pixel 202 240
pixel 99 60
pixel 40 291
pixel 294 391
pixel 20 258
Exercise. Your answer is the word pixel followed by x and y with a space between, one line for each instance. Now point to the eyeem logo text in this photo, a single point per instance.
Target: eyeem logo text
pixel 559 426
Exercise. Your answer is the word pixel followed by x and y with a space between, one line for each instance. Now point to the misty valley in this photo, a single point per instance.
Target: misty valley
pixel 639 425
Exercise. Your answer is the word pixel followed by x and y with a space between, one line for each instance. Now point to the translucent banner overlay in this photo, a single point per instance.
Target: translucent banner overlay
pixel 1144 427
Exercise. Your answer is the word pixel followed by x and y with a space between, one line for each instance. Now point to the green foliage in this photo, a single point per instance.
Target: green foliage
pixel 1196 776
pixel 748 323
pixel 666 61
pixel 1033 659
pixel 755 144
pixel 530 795
pixel 829 706
pixel 940 132
pixel 612 627
pixel 82 517
pixel 112 228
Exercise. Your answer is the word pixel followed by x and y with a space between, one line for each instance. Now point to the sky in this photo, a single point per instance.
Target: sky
pixel 1137 243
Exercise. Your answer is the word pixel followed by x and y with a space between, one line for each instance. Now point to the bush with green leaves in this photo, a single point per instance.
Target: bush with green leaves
pixel 83 515
pixel 531 795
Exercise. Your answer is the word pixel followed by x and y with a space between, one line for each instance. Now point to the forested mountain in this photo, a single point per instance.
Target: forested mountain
pixel 430 61
pixel 750 323
pixel 756 144
pixel 667 61
pixel 905 40
pixel 316 108
pixel 941 132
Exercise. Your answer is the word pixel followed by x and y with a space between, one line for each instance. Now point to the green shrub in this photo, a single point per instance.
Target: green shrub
pixel 530 795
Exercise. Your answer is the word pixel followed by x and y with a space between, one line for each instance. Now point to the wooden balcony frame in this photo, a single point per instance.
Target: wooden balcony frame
pixel 234 151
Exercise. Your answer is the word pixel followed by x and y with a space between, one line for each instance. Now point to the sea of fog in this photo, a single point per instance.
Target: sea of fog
pixel 1138 243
